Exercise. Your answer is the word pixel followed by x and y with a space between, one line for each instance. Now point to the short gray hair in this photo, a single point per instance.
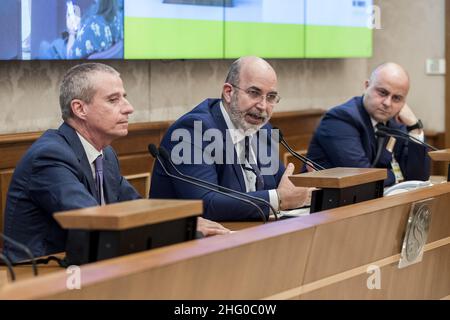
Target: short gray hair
pixel 234 72
pixel 77 84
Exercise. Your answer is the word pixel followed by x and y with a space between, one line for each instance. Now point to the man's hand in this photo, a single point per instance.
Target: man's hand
pixel 291 196
pixel 210 228
pixel 406 116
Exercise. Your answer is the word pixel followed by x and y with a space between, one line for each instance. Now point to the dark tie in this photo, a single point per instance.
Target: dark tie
pixel 379 125
pixel 385 158
pixel 99 179
pixel 254 168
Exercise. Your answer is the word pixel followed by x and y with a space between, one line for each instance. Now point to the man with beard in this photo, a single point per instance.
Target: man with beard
pixel 346 134
pixel 224 141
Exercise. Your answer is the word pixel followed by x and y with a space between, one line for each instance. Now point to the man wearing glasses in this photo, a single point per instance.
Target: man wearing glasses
pixel 228 142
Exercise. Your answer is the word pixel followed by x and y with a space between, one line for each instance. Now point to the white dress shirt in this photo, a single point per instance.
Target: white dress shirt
pixel 91 152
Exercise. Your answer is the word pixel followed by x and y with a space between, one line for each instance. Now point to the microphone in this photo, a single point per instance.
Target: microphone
pixel 382 132
pixel 8 266
pixel 166 157
pixel 310 163
pixel 24 249
pixel 155 154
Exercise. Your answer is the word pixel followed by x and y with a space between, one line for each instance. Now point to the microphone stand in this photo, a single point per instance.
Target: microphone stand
pixel 154 152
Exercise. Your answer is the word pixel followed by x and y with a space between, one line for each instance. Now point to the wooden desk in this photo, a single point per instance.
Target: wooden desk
pixel 322 256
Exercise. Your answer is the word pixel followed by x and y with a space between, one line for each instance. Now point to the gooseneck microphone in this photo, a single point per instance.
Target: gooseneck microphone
pixel 24 249
pixel 155 153
pixel 310 163
pixel 402 135
pixel 8 266
pixel 166 157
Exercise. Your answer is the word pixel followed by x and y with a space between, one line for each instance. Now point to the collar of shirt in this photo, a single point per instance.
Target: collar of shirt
pixel 90 151
pixel 374 123
pixel 237 135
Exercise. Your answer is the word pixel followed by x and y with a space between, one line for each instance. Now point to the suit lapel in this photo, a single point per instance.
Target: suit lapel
pixel 72 139
pixel 222 126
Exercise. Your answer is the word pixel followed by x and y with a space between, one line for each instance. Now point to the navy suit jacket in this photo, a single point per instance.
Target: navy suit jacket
pixel 215 206
pixel 346 138
pixel 54 175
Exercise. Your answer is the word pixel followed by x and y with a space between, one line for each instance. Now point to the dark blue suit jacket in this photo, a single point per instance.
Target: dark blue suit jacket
pixel 215 206
pixel 345 138
pixel 54 175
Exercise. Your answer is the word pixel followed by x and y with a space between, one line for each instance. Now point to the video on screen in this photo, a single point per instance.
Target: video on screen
pixel 61 29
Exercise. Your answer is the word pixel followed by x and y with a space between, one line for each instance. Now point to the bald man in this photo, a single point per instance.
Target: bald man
pixel 346 135
pixel 228 142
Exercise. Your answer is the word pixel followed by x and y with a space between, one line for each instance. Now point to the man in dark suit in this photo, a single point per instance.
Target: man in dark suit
pixel 74 166
pixel 223 141
pixel 346 135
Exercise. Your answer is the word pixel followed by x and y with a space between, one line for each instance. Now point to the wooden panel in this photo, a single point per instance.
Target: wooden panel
pixel 12 153
pixel 335 245
pixel 441 155
pixel 297 127
pixel 418 281
pixel 5 179
pixel 222 267
pixel 298 165
pixel 128 214
pixel 141 182
pixel 296 123
pixel 299 142
pixel 440 220
pixel 324 255
pixel 136 164
pixel 338 177
pixel 447 75
pixel 139 137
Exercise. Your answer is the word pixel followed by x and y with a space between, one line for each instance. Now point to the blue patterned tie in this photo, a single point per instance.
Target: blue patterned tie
pixel 254 167
pixel 99 179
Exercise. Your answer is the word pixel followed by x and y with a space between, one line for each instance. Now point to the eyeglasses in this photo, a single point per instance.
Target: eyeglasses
pixel 271 98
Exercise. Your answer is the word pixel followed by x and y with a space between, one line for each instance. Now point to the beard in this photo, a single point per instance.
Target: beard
pixel 238 117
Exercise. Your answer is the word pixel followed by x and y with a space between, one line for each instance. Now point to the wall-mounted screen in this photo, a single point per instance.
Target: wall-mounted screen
pixel 184 29
pixel 338 28
pixel 267 28
pixel 173 29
